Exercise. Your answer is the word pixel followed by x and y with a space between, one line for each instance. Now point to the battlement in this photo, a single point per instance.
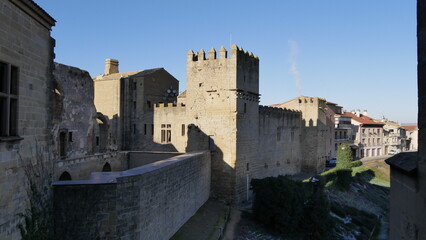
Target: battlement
pixel 304 99
pixel 267 109
pixel 236 52
pixel 168 105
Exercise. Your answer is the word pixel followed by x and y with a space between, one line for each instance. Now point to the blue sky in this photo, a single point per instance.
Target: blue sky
pixel 360 54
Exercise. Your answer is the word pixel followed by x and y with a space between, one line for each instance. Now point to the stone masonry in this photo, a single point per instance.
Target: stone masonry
pixel 26 49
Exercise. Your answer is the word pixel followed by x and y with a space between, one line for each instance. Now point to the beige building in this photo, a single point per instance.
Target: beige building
pixel 316 131
pixel 369 137
pixel 345 132
pixel 26 62
pixel 127 100
pixel 412 137
pixel 331 145
pixel 220 111
pixel 394 137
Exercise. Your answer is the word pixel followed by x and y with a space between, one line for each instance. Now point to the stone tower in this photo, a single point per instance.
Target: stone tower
pixel 222 100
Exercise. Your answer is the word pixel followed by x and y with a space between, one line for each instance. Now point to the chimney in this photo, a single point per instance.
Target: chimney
pixel 111 66
pixel 358 113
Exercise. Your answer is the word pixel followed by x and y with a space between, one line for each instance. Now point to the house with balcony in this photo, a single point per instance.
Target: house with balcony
pixel 394 137
pixel 368 135
pixel 345 132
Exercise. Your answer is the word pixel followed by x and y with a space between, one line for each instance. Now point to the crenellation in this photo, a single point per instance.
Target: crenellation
pixel 212 54
pixel 168 105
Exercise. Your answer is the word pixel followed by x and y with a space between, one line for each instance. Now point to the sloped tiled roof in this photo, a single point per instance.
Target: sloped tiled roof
pixel 409 128
pixel 363 119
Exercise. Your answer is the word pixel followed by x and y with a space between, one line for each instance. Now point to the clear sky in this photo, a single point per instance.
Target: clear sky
pixel 359 54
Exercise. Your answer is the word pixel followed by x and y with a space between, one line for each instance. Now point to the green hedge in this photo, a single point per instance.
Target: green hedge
pixel 292 208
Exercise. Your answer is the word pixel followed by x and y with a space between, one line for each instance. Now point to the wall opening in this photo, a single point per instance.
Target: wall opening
pixel 65 176
pixel 106 168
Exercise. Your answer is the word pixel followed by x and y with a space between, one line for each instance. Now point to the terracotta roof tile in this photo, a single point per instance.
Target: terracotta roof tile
pixel 409 128
pixel 363 119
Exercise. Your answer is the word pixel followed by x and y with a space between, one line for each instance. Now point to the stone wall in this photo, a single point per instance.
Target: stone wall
pixel 314 133
pixel 80 168
pixel 75 112
pixel 137 159
pixel 25 43
pixel 148 202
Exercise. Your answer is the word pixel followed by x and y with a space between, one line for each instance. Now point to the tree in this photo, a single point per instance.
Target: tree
pixel 344 157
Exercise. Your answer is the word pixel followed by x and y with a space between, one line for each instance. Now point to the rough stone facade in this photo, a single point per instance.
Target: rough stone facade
pixel 408 198
pixel 315 133
pixel 26 61
pixel 147 202
pixel 220 112
pixel 127 99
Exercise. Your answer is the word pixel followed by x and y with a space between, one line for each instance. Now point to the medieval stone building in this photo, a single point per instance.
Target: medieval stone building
pixel 26 62
pixel 315 130
pixel 127 99
pixel 220 112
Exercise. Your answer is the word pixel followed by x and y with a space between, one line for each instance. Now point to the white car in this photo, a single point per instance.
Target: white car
pixel 393 152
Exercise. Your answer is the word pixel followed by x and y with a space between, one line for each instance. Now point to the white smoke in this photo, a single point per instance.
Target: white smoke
pixel 294 51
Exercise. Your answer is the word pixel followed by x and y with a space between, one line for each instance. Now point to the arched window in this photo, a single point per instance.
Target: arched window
pixel 106 168
pixel 65 176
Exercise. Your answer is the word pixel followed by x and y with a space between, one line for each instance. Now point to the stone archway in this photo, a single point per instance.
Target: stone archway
pixel 106 168
pixel 65 176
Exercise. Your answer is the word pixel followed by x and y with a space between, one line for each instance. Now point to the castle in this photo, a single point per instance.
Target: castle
pixel 122 153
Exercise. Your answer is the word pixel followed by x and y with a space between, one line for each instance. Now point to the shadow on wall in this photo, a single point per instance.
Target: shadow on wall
pixel 313 142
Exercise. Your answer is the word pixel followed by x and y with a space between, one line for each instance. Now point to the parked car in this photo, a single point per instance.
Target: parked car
pixel 330 163
pixel 393 152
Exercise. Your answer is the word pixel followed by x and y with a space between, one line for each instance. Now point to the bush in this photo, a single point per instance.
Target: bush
pixel 344 157
pixel 292 208
pixel 356 163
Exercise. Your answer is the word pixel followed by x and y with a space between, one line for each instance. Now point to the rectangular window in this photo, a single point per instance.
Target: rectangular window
pixel 183 129
pixel 245 107
pixel 152 129
pixel 148 103
pixel 166 133
pixel 134 128
pixel 144 129
pixel 97 140
pixel 8 100
pixel 62 143
pixel 134 105
pixel 70 137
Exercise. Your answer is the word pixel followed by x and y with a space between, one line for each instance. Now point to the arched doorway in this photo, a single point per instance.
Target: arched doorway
pixel 65 176
pixel 106 168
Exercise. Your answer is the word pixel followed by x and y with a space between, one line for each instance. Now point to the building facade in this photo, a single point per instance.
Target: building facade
pixel 26 63
pixel 127 100
pixel 369 137
pixel 316 132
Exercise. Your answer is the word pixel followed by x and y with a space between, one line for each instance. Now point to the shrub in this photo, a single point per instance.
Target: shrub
pixel 344 157
pixel 356 163
pixel 292 208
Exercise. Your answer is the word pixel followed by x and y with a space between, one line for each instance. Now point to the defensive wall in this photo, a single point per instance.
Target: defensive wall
pixel 148 202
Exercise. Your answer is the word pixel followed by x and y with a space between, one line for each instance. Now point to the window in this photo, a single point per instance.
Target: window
pixel 8 100
pixel 97 140
pixel 144 129
pixel 148 103
pixel 152 129
pixel 70 137
pixel 134 128
pixel 166 133
pixel 245 107
pixel 183 129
